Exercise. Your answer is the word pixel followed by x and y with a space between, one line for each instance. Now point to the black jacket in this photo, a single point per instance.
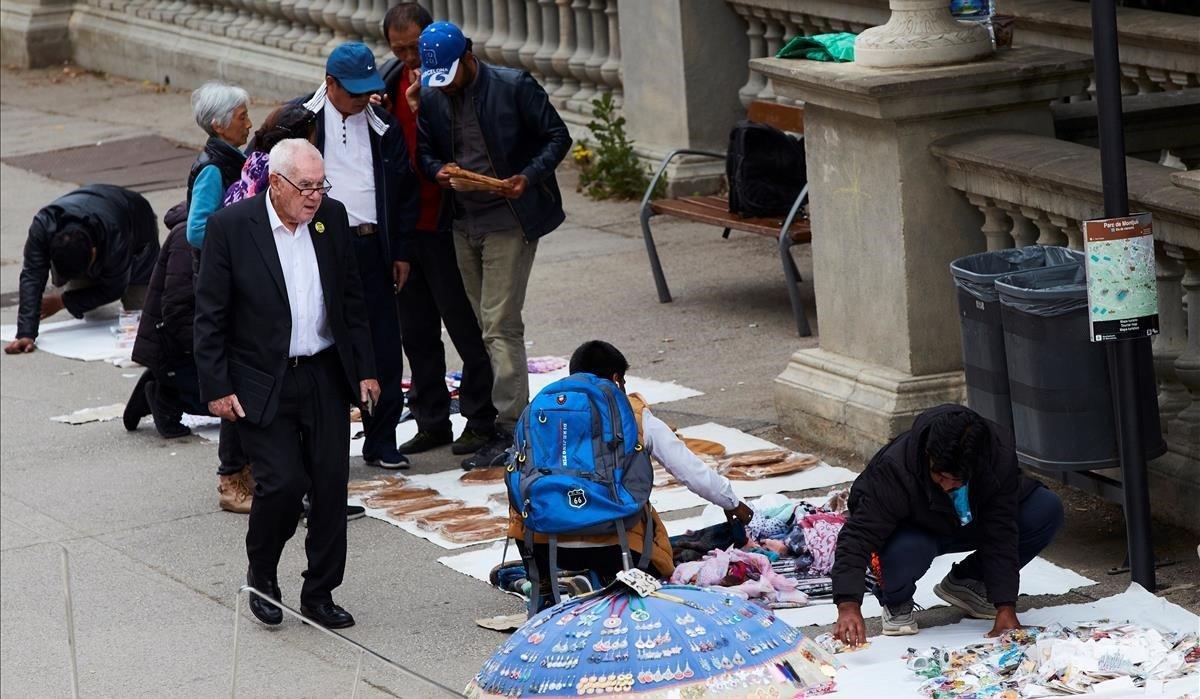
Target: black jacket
pixel 227 159
pixel 121 225
pixel 395 181
pixel 523 134
pixel 896 489
pixel 164 337
pixel 242 311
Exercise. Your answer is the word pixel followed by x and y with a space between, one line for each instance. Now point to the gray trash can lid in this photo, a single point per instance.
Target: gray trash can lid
pixel 987 266
pixel 975 274
pixel 1047 292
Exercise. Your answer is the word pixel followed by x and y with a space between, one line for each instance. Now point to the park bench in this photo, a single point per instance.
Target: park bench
pixel 714 210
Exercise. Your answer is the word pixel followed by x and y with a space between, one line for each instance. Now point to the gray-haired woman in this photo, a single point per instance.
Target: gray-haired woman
pixel 220 110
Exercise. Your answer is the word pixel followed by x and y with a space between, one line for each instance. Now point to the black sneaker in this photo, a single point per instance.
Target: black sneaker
pixel 470 442
pixel 425 440
pixel 390 459
pixel 492 453
pixel 167 424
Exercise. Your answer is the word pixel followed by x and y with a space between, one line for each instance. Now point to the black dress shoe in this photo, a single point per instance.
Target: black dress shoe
pixel 262 610
pixel 328 615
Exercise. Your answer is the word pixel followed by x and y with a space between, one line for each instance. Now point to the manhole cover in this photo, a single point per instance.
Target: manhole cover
pixel 143 163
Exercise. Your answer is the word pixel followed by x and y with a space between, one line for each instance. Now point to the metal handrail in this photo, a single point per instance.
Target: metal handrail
pixel 363 651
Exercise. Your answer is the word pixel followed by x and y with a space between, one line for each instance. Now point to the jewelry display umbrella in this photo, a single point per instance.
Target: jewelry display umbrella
pixel 636 638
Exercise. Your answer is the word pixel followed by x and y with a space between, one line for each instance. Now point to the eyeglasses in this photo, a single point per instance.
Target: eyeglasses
pixel 308 191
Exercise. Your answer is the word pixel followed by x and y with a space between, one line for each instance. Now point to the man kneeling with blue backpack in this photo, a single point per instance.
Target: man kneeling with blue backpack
pixel 580 478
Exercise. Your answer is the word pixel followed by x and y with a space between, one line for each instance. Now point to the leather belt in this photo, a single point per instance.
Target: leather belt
pixel 363 230
pixel 308 358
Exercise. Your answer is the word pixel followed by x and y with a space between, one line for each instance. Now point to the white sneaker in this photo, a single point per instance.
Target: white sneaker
pixel 898 620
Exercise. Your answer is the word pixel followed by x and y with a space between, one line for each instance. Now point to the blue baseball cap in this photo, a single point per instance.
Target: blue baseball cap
pixel 353 65
pixel 442 45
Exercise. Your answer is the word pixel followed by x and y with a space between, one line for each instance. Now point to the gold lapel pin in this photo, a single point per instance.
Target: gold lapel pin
pixel 320 227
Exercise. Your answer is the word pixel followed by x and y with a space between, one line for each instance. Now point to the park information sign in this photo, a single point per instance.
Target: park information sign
pixel 1122 291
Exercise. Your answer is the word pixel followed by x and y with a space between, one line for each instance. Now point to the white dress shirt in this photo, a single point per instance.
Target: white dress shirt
pixel 302 277
pixel 349 164
pixel 687 468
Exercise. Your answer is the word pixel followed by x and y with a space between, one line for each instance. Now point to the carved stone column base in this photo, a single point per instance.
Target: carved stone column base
pixel 921 33
pixel 846 403
pixel 33 33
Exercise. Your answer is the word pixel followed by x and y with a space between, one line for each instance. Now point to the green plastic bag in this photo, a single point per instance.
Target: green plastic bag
pixel 832 48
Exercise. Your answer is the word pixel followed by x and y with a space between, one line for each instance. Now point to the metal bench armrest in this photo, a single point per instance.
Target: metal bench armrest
pixel 662 167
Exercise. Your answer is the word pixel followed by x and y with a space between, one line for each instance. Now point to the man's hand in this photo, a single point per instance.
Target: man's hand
pixel 443 176
pixel 850 628
pixel 1006 620
pixel 400 272
pixel 227 408
pixel 51 304
pixel 515 186
pixel 21 345
pixel 378 99
pixel 413 94
pixel 368 389
pixel 742 513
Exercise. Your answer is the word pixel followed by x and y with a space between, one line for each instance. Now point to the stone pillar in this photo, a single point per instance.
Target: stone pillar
pixel 886 226
pixel 33 33
pixel 679 91
pixel 921 33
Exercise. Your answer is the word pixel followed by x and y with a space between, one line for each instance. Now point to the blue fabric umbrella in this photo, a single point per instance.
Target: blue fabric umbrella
pixel 678 641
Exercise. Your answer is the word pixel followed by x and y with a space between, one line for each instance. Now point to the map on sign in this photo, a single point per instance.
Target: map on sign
pixel 1122 290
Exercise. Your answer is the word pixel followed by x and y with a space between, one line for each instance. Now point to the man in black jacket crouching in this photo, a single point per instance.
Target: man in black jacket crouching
pixel 951 483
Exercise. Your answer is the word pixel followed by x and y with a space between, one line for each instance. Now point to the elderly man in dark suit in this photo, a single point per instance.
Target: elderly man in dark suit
pixel 283 348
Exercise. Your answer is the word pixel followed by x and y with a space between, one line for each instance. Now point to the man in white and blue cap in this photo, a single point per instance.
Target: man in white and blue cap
pixel 497 122
pixel 369 171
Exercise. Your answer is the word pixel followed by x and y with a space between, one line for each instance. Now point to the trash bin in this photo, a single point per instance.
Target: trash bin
pixel 1062 408
pixel 980 324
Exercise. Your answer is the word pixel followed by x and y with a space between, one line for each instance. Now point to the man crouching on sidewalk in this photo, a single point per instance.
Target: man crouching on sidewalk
pixel 951 483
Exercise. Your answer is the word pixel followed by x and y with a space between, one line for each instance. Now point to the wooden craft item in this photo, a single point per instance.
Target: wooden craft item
pixel 792 464
pixel 423 512
pixel 758 457
pixel 389 497
pixel 422 506
pixel 704 446
pixel 457 172
pixel 364 487
pixel 480 530
pixel 457 515
pixel 495 474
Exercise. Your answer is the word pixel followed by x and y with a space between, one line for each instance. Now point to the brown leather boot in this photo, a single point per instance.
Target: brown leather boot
pixel 233 495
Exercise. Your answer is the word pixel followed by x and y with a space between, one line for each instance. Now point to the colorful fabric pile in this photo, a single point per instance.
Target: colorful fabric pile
pixel 1057 661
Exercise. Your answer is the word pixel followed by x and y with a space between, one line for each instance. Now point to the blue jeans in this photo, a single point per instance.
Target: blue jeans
pixel 907 554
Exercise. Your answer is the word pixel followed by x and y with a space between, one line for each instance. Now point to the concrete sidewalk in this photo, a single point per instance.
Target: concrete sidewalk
pixel 156 565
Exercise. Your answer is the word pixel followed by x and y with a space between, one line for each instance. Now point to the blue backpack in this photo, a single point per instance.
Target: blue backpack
pixel 578 467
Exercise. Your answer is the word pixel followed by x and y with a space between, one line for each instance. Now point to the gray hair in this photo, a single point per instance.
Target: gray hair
pixel 214 103
pixel 282 158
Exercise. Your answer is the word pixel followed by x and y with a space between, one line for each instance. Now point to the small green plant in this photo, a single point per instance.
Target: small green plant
pixel 612 170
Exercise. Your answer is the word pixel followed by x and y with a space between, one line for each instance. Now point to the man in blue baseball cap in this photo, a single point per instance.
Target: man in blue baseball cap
pixel 497 122
pixel 369 171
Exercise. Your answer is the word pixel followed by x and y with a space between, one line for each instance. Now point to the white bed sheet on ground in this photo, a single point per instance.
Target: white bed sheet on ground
pixel 90 339
pixel 869 670
pixel 1038 577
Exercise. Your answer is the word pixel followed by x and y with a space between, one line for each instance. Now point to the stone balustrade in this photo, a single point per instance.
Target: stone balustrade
pixel 1159 51
pixel 572 46
pixel 1034 189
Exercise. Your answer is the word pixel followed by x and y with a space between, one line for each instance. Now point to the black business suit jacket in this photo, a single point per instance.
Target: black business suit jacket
pixel 242 312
